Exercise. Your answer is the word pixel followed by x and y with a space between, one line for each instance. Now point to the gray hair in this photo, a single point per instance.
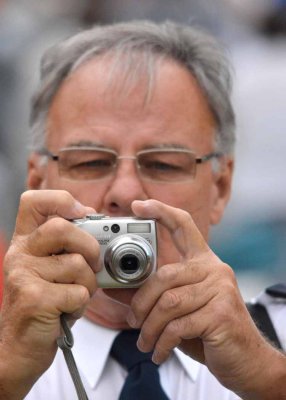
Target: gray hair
pixel 147 41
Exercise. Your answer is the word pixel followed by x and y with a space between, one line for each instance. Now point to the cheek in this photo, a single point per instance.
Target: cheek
pixel 89 194
pixel 193 197
pixel 196 199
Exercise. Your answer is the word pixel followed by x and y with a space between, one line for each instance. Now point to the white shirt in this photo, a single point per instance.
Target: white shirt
pixel 181 377
pixel 276 307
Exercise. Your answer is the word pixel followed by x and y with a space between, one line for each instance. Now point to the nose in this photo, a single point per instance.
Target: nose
pixel 125 187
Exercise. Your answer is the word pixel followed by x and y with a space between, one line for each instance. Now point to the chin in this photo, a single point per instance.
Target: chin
pixel 122 296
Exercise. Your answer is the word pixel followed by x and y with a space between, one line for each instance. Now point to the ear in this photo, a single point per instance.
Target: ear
pixel 36 171
pixel 221 190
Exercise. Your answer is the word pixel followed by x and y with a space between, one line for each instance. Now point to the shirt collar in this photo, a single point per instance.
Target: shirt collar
pixel 190 366
pixel 92 347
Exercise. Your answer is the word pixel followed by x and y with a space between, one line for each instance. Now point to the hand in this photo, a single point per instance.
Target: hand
pixel 195 305
pixel 49 270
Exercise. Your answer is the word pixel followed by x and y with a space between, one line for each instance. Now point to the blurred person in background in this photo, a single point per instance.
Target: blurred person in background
pixel 27 27
pixel 251 236
pixel 165 90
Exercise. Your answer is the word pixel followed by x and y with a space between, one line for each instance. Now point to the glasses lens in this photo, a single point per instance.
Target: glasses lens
pixel 167 166
pixel 85 164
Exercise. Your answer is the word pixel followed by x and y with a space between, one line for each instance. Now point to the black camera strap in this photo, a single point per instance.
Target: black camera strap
pixel 261 317
pixel 66 343
pixel 263 322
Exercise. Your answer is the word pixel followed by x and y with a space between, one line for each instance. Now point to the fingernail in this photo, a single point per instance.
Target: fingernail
pixel 143 203
pixel 131 319
pixel 79 208
pixel 155 358
pixel 90 210
pixel 141 344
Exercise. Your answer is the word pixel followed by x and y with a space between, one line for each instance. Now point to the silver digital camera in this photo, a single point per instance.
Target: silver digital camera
pixel 128 249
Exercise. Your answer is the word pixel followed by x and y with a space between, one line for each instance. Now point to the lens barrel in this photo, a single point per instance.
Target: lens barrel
pixel 129 259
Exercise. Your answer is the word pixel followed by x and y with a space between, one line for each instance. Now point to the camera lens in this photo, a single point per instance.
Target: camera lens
pixel 115 228
pixel 128 260
pixel 129 264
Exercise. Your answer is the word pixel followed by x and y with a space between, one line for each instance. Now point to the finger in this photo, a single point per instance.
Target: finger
pixel 57 236
pixel 179 223
pixel 188 327
pixel 64 268
pixel 166 278
pixel 44 302
pixel 216 324
pixel 70 299
pixel 36 206
pixel 173 304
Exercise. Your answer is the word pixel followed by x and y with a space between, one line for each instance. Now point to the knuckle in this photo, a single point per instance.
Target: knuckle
pixel 14 266
pixel 230 289
pixel 184 217
pixel 9 258
pixel 228 282
pixel 137 305
pixel 58 225
pixel 27 196
pixel 39 235
pixel 221 314
pixel 230 273
pixel 174 328
pixel 226 270
pixel 13 279
pixel 75 298
pixel 76 260
pixel 84 296
pixel 27 297
pixel 65 196
pixel 33 292
pixel 167 273
pixel 169 300
pixel 26 199
pixel 162 349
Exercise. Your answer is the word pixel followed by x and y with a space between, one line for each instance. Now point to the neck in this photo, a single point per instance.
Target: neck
pixel 108 312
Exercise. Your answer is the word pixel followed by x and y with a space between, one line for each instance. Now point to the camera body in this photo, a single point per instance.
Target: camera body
pixel 128 249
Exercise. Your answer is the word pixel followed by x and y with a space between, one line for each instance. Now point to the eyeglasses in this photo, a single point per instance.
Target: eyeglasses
pixel 159 165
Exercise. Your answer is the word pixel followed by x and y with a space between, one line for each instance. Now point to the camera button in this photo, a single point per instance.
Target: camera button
pixel 95 216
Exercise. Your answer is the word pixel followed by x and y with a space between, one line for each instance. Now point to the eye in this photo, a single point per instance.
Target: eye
pixel 94 164
pixel 161 166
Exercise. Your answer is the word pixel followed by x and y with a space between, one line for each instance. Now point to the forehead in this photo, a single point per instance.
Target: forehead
pixel 102 96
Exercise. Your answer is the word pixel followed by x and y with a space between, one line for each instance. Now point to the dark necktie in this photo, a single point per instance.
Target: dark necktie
pixel 143 381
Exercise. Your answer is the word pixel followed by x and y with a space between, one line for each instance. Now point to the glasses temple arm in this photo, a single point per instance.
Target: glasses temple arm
pixel 208 157
pixel 47 153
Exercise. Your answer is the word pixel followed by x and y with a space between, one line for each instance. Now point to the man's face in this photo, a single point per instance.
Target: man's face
pixel 88 109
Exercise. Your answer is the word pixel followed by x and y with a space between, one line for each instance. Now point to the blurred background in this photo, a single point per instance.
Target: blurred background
pixel 252 237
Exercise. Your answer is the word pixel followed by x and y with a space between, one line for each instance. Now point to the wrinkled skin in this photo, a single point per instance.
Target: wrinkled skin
pixel 192 301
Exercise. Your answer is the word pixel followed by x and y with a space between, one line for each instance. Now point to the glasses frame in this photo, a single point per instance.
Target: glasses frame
pixel 198 160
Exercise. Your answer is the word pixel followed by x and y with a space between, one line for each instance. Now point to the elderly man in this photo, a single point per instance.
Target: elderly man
pixel 130 120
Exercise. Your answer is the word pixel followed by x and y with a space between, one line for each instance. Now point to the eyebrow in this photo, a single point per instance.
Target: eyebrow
pixel 85 143
pixel 166 146
pixel 89 143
